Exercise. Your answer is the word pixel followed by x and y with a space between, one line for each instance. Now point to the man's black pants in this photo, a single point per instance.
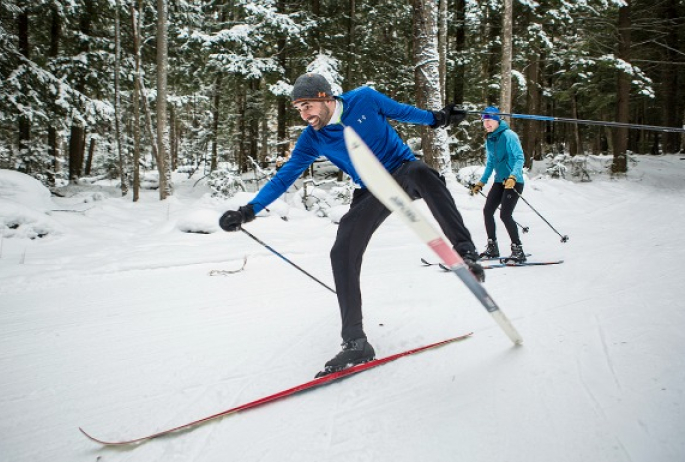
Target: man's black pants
pixel 366 214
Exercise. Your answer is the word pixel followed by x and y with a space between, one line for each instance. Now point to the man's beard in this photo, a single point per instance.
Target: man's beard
pixel 320 120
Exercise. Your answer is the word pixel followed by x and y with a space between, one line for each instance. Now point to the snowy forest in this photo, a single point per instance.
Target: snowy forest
pixel 117 88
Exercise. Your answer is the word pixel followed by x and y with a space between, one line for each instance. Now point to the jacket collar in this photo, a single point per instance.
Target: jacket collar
pixel 498 131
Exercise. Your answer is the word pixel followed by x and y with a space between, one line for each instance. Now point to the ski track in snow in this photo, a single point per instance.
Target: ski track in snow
pixel 605 351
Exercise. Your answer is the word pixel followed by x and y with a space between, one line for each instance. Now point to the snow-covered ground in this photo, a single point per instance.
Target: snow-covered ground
pixel 110 321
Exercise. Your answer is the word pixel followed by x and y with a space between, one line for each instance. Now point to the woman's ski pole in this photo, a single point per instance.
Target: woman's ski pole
pixel 586 122
pixel 525 229
pixel 563 238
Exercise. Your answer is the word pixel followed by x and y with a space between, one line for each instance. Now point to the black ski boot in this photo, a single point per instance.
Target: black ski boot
pixel 470 258
pixel 354 352
pixel 517 254
pixel 491 251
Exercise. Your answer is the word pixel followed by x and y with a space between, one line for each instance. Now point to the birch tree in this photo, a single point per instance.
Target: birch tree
pixel 620 163
pixel 24 126
pixel 136 102
pixel 123 167
pixel 164 164
pixel 427 78
pixel 505 85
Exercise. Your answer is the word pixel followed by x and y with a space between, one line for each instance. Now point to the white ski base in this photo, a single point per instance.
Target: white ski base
pixel 381 183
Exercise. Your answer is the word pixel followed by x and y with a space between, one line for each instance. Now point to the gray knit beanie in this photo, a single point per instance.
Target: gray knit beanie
pixel 311 87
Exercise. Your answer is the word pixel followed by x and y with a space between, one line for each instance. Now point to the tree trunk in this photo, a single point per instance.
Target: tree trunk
pixel 78 131
pixel 263 122
pixel 505 84
pixel 427 78
pixel 215 122
pixel 282 142
pixel 123 167
pixel 253 123
pixel 670 85
pixel 492 35
pixel 316 12
pixel 136 141
pixel 576 146
pixel 241 127
pixel 620 139
pixel 532 136
pixel 164 166
pixel 351 42
pixel 136 104
pixel 460 47
pixel 53 153
pixel 24 127
pixel 53 148
pixel 91 152
pixel 442 49
pixel 682 135
pixel 148 126
pixel 173 138
pixel 76 147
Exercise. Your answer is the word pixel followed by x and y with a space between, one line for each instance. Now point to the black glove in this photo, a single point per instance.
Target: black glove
pixel 231 220
pixel 442 117
pixel 449 115
pixel 457 116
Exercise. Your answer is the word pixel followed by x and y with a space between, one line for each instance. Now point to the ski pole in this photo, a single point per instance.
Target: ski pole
pixel 271 249
pixel 564 238
pixel 585 122
pixel 525 229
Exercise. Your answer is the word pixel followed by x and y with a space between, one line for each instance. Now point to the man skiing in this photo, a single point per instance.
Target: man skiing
pixel 367 111
pixel 505 157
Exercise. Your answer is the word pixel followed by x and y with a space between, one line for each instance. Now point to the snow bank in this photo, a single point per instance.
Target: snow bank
pixel 24 202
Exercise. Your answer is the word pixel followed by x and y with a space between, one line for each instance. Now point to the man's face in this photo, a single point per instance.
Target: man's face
pixel 490 125
pixel 315 113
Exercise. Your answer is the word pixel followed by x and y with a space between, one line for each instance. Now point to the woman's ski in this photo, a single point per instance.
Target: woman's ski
pixel 503 263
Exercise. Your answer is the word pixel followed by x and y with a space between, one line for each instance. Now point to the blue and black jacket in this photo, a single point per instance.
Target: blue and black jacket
pixel 367 111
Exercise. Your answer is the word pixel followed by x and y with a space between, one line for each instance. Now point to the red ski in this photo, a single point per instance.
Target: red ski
pixel 281 394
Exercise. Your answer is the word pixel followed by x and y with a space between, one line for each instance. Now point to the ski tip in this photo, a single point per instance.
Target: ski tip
pixel 87 435
pixel 112 443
